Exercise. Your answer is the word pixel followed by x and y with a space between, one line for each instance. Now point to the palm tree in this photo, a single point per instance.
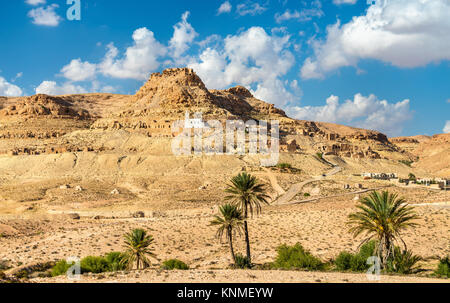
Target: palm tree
pixel 137 244
pixel 246 192
pixel 229 222
pixel 382 216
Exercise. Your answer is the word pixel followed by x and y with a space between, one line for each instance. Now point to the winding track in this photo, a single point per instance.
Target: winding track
pixel 296 188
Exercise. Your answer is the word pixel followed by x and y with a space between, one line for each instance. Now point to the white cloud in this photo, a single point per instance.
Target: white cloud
pixel 139 60
pixel 182 37
pixel 447 127
pixel 45 16
pixel 252 58
pixel 52 88
pixel 250 8
pixel 364 112
pixel 35 2
pixel 9 90
pixel 339 2
pixel 224 8
pixel 404 33
pixel 315 10
pixel 77 70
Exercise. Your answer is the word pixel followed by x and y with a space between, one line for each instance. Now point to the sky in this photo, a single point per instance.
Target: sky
pixel 382 65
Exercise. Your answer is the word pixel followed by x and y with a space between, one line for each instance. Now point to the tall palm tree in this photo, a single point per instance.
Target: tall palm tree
pixel 229 222
pixel 137 244
pixel 246 192
pixel 382 216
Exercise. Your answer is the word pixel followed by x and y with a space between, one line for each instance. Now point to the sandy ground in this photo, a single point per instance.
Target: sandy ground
pixel 35 227
pixel 237 276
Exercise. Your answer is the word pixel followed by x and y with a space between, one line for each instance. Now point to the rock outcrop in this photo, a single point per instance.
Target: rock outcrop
pixel 44 105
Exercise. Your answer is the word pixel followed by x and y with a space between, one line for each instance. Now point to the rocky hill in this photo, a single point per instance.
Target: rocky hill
pixel 43 105
pixel 431 154
pixel 164 99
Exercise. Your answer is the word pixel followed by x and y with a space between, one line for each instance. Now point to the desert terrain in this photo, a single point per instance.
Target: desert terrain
pixel 77 172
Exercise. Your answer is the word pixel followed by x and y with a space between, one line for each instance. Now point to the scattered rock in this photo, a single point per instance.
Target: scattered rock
pixel 74 216
pixel 115 192
pixel 139 214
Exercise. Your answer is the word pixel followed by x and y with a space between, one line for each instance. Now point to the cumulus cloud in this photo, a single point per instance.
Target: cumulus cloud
pixel 183 36
pixel 45 16
pixel 404 33
pixel 35 2
pixel 447 127
pixel 52 88
pixel 139 60
pixel 77 70
pixel 224 8
pixel 250 8
pixel 9 90
pixel 339 2
pixel 315 10
pixel 251 58
pixel 364 112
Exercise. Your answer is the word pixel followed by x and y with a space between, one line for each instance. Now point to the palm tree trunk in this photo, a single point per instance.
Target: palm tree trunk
pixel 247 240
pixel 230 240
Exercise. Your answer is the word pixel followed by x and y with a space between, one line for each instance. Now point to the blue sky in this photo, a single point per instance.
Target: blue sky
pixel 383 66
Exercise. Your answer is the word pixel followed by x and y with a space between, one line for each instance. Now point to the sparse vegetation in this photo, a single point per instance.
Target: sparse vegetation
pixel 296 257
pixel 242 262
pixel 382 216
pixel 114 261
pixel 230 222
pixel 93 264
pixel 319 156
pixel 246 192
pixel 403 262
pixel 61 268
pixel 174 264
pixel 284 165
pixel 138 245
pixel 355 262
pixel 412 177
pixel 406 162
pixel 443 269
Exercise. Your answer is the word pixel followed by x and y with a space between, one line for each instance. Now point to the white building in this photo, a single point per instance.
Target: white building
pixel 197 122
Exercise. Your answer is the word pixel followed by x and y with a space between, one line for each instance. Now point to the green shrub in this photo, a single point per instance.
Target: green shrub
pixel 359 263
pixel 406 162
pixel 61 268
pixel 403 262
pixel 307 194
pixel 343 261
pixel 356 262
pixel 368 249
pixel 115 261
pixel 319 155
pixel 242 262
pixel 443 269
pixel 296 257
pixel 94 265
pixel 174 264
pixel 284 165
